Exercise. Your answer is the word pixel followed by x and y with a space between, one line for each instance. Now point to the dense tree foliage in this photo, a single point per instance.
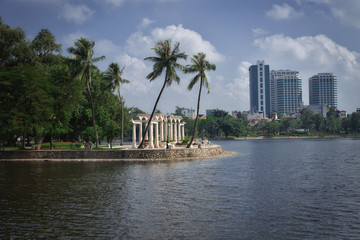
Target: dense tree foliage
pixel 41 96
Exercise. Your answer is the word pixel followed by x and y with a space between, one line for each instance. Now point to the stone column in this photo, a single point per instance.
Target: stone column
pixel 171 130
pixel 147 133
pixel 151 140
pixel 183 131
pixel 166 128
pixel 140 131
pixel 161 129
pixel 156 135
pixel 175 130
pixel 179 131
pixel 134 136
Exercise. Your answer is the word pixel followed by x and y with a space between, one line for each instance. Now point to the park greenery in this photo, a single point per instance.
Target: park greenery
pixel 221 124
pixel 45 95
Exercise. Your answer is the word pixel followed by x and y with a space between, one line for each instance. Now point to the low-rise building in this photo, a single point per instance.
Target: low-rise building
pixel 210 111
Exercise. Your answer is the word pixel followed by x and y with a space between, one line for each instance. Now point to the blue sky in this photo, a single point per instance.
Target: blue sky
pixel 309 36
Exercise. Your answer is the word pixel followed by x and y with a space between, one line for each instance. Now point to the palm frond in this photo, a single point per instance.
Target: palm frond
pixel 193 82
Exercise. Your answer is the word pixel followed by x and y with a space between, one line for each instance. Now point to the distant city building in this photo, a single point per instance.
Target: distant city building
pixel 256 116
pixel 358 110
pixel 323 90
pixel 259 79
pixel 341 114
pixel 234 113
pixel 317 109
pixel 190 113
pixel 285 92
pixel 210 111
pixel 135 110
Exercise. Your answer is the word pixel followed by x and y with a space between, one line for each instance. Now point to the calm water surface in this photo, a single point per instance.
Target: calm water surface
pixel 272 189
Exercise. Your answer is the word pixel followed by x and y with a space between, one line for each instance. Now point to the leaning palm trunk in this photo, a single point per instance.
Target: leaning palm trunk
pixel 122 119
pixel 122 122
pixel 93 114
pixel 197 117
pixel 152 114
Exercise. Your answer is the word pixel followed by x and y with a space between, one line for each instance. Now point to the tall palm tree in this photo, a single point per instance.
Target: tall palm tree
pixel 83 54
pixel 114 73
pixel 166 59
pixel 199 66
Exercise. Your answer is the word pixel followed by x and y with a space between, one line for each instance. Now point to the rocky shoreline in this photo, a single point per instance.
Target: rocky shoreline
pixel 126 155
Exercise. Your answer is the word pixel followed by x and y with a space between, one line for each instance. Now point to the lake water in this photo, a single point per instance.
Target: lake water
pixel 272 189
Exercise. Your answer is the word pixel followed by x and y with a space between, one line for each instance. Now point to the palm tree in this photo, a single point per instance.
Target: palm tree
pixel 83 54
pixel 199 66
pixel 166 59
pixel 114 73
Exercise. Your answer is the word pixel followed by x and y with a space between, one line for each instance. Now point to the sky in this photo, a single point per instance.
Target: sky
pixel 309 36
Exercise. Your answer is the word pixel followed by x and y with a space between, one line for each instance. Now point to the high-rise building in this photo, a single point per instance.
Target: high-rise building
pixel 323 90
pixel 285 91
pixel 259 78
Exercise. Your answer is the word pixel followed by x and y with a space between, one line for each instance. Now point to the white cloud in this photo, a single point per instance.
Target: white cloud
pixel 76 13
pixel 283 12
pixel 115 3
pixel 346 11
pixel 145 22
pixel 311 55
pixel 258 31
pixel 190 41
pixel 235 90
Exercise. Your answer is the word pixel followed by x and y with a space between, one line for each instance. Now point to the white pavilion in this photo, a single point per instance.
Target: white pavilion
pixel 162 127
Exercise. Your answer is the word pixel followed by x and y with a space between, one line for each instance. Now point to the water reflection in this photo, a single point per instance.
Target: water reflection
pixel 277 189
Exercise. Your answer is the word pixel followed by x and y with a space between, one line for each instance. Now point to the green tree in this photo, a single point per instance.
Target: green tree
pixel 227 126
pixel 220 113
pixel 306 118
pixel 31 104
pixel 114 73
pixel 166 59
pixel 355 121
pixel 200 66
pixel 272 128
pixel 44 45
pixel 333 124
pixel 14 48
pixel 288 125
pixel 83 54
pixel 319 122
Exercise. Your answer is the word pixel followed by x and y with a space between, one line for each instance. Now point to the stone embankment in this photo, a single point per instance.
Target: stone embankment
pixel 114 155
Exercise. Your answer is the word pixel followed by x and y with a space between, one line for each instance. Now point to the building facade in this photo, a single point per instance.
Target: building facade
pixel 323 90
pixel 259 80
pixel 187 112
pixel 285 92
pixel 210 111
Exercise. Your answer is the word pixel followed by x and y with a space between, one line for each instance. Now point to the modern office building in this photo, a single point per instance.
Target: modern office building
pixel 285 92
pixel 323 90
pixel 259 79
